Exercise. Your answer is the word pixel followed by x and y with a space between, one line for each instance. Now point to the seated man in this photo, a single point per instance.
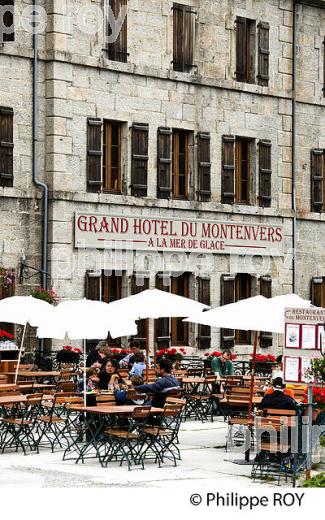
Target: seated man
pixel 162 386
pixel 278 399
pixel 128 360
pixel 139 365
pixel 222 365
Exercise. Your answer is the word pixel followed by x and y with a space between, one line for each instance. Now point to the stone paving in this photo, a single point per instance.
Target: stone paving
pixel 204 461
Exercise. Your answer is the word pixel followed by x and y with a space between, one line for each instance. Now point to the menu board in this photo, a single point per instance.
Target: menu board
pixel 309 337
pixel 292 369
pixel 292 337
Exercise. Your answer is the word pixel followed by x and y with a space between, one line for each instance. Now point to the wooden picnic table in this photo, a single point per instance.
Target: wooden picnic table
pixel 35 373
pixel 104 409
pixel 240 402
pixel 193 380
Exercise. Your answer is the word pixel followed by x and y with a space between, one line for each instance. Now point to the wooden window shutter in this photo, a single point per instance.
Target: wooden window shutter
pixel 204 331
pixel 94 285
pixel 136 288
pixel 317 284
pixel 162 325
pixel 8 20
pixel 139 167
pixel 241 48
pixel 118 50
pixel 263 53
pixel 227 296
pixel 266 291
pixel 94 155
pixel 317 180
pixel 265 173
pixel 164 157
pixel 183 37
pixel 6 147
pixel 228 169
pixel 204 166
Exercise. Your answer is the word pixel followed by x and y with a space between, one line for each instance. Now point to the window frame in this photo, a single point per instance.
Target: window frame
pixel 175 321
pixel 239 141
pixel 107 154
pixel 176 133
pixel 243 337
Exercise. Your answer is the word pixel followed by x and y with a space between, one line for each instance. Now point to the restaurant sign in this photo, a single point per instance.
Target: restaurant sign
pixel 161 234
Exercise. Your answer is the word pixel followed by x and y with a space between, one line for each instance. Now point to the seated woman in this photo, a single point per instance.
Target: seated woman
pixel 109 375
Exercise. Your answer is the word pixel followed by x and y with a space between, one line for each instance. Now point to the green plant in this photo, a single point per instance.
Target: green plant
pixel 48 296
pixel 317 481
pixel 318 369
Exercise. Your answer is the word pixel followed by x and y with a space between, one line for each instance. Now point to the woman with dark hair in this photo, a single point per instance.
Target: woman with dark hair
pixel 109 374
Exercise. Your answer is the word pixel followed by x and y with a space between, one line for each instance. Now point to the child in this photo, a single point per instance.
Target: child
pixel 130 397
pixel 92 380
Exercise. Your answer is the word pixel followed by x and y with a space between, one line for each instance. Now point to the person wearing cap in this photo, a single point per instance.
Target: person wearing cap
pixel 278 399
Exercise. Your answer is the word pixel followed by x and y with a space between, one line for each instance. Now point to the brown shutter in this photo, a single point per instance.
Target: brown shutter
pixel 183 37
pixel 317 180
pixel 117 51
pixel 204 166
pixel 241 48
pixel 7 290
pixel 139 168
pixel 227 296
pixel 93 285
pixel 228 169
pixel 265 173
pixel 94 155
pixel 7 19
pixel 6 147
pixel 263 53
pixel 266 291
pixel 204 331
pixel 164 157
pixel 317 291
pixel 136 288
pixel 162 324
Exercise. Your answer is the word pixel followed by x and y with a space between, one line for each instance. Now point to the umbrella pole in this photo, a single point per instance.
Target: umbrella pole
pixel 147 350
pixel 20 350
pixel 84 373
pixel 251 391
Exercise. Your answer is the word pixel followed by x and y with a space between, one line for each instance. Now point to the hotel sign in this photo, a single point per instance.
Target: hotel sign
pixel 149 233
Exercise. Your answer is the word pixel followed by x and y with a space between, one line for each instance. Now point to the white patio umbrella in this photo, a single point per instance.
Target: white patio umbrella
pixel 22 310
pixel 85 319
pixel 256 313
pixel 154 304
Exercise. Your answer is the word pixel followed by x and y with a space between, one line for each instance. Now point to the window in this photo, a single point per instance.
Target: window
pixel 204 166
pixel 242 291
pixel 7 31
pixel 183 37
pixel 139 160
pixel 180 164
pixel 117 49
pixel 245 50
pixel 106 288
pixel 317 180
pixel 266 291
pixel 180 286
pixel 243 159
pixel 7 288
pixel 236 170
pixel 112 156
pixel 104 156
pixel 138 285
pixel 318 291
pixel 204 331
pixel 235 288
pixel 162 325
pixel 6 147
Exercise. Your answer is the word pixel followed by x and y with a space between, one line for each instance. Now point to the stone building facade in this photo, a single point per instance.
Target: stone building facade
pixel 221 129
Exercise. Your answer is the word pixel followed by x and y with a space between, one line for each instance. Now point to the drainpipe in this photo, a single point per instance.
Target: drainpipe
pixel 293 134
pixel 36 181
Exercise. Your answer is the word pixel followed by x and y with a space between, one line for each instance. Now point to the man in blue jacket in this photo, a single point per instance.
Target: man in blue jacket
pixel 162 386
